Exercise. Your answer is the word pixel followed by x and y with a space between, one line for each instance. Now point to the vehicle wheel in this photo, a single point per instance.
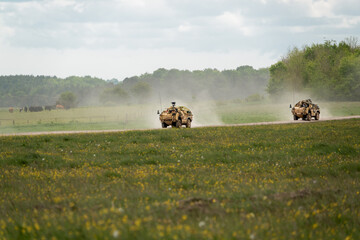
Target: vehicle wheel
pixel 308 117
pixel 188 123
pixel 164 125
pixel 178 124
pixel 317 116
pixel 296 117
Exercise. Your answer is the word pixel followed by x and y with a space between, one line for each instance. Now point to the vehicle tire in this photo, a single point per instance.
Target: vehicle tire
pixel 295 117
pixel 178 124
pixel 188 124
pixel 163 125
pixel 317 116
pixel 308 117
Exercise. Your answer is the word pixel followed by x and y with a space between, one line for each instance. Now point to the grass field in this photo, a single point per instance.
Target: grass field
pixel 295 181
pixel 85 118
pixel 145 117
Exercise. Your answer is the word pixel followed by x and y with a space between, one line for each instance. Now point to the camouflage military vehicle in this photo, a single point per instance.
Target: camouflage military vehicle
pixel 306 110
pixel 176 116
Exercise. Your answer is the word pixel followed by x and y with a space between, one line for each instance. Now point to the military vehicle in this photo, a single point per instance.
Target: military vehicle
pixel 306 109
pixel 176 116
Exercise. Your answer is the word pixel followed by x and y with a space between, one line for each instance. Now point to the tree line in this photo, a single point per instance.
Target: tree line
pixel 21 90
pixel 190 85
pixel 28 90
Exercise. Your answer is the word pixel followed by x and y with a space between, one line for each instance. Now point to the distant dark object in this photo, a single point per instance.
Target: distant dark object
pixel 35 109
pixel 50 107
pixel 25 108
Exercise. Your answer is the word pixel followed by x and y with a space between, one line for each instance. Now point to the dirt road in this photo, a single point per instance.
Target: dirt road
pixel 226 125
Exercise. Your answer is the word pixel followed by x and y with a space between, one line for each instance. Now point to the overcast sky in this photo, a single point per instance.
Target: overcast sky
pixel 123 38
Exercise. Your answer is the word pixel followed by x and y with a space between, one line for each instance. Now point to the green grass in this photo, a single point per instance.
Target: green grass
pixel 85 118
pixel 342 108
pixel 72 126
pixel 258 182
pixel 264 112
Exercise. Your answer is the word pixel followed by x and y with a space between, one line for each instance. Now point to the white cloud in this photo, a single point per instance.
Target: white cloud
pixel 79 7
pixel 185 28
pixel 5 31
pixel 312 8
pixel 321 8
pixel 142 7
pixel 349 22
pixel 133 3
pixel 300 29
pixel 235 21
pixel 63 3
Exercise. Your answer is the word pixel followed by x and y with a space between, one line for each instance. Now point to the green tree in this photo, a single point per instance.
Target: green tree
pixel 350 78
pixel 67 99
pixel 276 83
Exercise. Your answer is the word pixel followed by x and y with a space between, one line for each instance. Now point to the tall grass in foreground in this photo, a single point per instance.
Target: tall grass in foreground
pixel 261 182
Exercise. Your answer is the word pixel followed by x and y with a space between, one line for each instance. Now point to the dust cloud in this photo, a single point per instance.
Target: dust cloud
pixel 205 113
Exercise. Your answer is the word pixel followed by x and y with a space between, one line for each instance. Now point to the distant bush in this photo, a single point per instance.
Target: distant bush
pixel 67 99
pixel 254 98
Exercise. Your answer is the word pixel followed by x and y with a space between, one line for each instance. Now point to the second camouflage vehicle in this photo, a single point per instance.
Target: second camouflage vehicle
pixel 306 110
pixel 176 117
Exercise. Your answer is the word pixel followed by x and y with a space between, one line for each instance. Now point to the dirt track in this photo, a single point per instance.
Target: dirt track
pixel 226 125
